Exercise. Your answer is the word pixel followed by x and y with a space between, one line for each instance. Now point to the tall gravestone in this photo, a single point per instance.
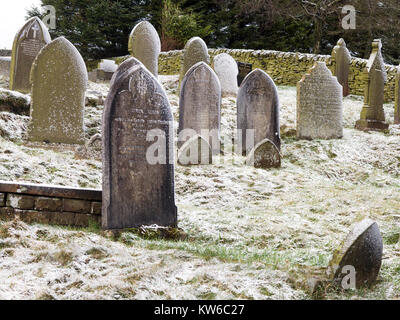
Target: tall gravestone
pixel 59 79
pixel 145 45
pixel 341 59
pixel 195 51
pixel 397 98
pixel 200 104
pixel 372 114
pixel 319 105
pixel 138 180
pixel 258 111
pixel 227 71
pixel 29 40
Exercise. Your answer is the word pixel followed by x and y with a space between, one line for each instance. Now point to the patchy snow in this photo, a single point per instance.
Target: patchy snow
pixel 251 233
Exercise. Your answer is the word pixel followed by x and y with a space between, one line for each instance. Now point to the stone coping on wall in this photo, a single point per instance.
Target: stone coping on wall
pixel 49 204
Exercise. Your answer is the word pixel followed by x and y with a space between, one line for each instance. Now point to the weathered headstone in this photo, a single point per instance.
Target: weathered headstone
pixel 227 71
pixel 200 105
pixel 244 70
pixel 264 155
pixel 319 105
pixel 138 180
pixel 258 111
pixel 372 114
pixel 361 252
pixel 397 98
pixel 145 45
pixel 341 59
pixel 29 40
pixel 5 64
pixel 195 51
pixel 106 70
pixel 195 151
pixel 59 80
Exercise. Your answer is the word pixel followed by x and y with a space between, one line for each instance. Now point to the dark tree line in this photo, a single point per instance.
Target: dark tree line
pixel 101 28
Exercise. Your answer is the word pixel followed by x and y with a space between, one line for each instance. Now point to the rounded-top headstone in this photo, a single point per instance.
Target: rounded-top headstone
pixel 258 111
pixel 342 59
pixel 145 45
pixel 59 79
pixel 362 250
pixel 227 71
pixel 319 105
pixel 200 104
pixel 195 51
pixel 29 40
pixel 264 155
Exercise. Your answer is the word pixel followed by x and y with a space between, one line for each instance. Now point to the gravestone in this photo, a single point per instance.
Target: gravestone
pixel 145 45
pixel 374 75
pixel 195 51
pixel 341 59
pixel 138 174
pixel 106 70
pixel 258 111
pixel 227 71
pixel 200 105
pixel 397 98
pixel 264 155
pixel 29 40
pixel 244 70
pixel 362 250
pixel 195 151
pixel 319 105
pixel 59 79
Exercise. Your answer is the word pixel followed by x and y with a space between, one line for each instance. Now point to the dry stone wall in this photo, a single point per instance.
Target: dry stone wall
pixel 285 68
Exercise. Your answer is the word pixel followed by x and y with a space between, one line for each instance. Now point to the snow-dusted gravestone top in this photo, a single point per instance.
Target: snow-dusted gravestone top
pixel 32 37
pixel 319 105
pixel 258 111
pixel 372 114
pixel 145 45
pixel 108 65
pixel 195 51
pixel 342 58
pixel 361 251
pixel 200 105
pixel 138 179
pixel 59 80
pixel 227 71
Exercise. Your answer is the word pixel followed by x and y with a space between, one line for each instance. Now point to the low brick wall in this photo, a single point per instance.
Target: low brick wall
pixel 285 68
pixel 50 204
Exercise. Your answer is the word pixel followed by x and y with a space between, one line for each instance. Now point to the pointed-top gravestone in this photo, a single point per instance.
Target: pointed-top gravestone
pixel 319 105
pixel 341 58
pixel 138 156
pixel 258 111
pixel 145 45
pixel 372 114
pixel 59 79
pixel 227 71
pixel 32 37
pixel 397 98
pixel 200 105
pixel 195 51
pixel 360 252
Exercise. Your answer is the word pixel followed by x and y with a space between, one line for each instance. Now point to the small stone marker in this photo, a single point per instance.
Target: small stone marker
pixel 227 71
pixel 362 250
pixel 200 105
pixel 258 111
pixel 29 40
pixel 59 80
pixel 342 58
pixel 264 155
pixel 138 174
pixel 244 70
pixel 319 105
pixel 195 51
pixel 372 114
pixel 145 45
pixel 195 151
pixel 397 98
pixel 106 69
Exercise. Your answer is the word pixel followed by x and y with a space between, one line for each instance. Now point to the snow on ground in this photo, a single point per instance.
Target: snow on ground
pixel 250 233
